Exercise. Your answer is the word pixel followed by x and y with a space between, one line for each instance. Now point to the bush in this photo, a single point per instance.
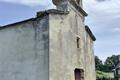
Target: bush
pixel 105 78
pixel 104 75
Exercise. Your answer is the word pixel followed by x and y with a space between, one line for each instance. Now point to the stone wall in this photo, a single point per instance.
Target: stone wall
pixel 64 56
pixel 89 59
pixel 24 51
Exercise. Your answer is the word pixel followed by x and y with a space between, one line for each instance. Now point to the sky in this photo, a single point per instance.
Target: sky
pixel 103 19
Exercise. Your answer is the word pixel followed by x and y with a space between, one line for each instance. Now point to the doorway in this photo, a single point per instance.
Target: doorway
pixel 79 74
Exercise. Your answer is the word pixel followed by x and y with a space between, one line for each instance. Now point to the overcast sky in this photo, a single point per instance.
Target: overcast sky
pixel 103 19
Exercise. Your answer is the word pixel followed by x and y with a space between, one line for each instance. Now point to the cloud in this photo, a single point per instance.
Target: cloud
pixel 30 2
pixel 102 0
pixel 104 20
pixel 117 29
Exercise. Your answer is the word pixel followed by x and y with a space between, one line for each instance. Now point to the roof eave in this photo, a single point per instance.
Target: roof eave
pixel 90 33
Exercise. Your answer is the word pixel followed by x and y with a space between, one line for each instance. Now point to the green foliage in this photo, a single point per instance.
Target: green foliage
pixel 98 63
pixel 112 61
pixel 101 74
pixel 104 68
pixel 109 64
pixel 104 71
pixel 100 66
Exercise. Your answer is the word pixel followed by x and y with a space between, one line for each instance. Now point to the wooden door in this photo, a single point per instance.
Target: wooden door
pixel 79 74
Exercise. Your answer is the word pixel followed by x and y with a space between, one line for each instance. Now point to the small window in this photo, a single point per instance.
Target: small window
pixel 79 74
pixel 78 42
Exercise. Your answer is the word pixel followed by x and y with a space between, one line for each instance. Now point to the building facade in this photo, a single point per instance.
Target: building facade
pixel 56 44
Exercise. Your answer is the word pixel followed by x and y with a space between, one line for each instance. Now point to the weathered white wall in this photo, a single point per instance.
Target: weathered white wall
pixel 64 56
pixel 24 51
pixel 89 59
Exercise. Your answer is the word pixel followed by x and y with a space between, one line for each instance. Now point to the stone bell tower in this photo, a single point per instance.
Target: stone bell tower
pixel 64 4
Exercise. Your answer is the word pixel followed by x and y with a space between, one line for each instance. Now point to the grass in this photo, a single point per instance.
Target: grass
pixel 101 74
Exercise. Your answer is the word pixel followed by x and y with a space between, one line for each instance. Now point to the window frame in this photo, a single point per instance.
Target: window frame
pixel 78 41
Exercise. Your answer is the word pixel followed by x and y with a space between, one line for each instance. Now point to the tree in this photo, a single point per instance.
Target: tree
pixel 98 63
pixel 108 65
pixel 112 61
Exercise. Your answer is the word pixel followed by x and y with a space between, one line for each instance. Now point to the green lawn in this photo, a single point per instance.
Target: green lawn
pixel 101 74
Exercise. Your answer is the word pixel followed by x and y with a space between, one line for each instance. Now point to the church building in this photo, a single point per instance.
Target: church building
pixel 55 45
